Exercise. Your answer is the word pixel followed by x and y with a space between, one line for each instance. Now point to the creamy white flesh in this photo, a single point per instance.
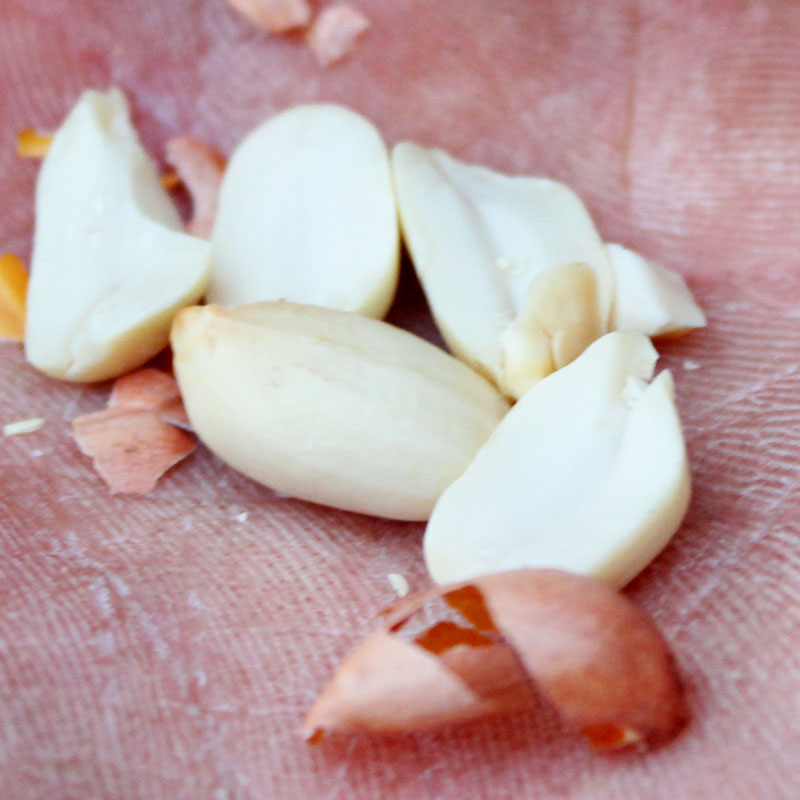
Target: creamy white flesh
pixel 478 240
pixel 110 264
pixel 650 298
pixel 330 406
pixel 587 473
pixel 307 213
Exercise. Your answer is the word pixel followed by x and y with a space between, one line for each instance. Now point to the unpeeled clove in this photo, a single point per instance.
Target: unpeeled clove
pixel 200 168
pixel 600 661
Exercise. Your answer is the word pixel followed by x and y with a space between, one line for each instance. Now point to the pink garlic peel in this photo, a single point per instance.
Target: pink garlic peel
pixel 275 16
pixel 600 661
pixel 200 168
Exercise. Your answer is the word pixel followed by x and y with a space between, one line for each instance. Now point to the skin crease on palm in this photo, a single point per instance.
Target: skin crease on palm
pixel 167 646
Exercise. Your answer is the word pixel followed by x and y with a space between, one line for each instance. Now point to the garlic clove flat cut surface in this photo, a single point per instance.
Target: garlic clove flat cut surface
pixel 307 214
pixel 482 243
pixel 650 298
pixel 331 406
pixel 110 264
pixel 587 473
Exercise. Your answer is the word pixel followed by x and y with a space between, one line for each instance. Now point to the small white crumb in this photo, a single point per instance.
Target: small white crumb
pixel 398 583
pixel 690 365
pixel 23 426
pixel 242 517
pixel 334 32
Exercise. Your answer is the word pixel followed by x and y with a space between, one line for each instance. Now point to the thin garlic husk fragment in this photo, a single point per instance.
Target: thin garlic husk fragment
pixel 495 253
pixel 588 473
pixel 331 406
pixel 110 264
pixel 491 645
pixel 651 298
pixel 307 213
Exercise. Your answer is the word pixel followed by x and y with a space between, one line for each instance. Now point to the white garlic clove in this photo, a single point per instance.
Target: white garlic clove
pixel 559 319
pixel 650 298
pixel 307 213
pixel 587 473
pixel 331 406
pixel 481 243
pixel 110 264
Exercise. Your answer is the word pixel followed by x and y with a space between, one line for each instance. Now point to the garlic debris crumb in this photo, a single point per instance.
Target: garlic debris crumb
pixel 23 426
pixel 690 365
pixel 398 583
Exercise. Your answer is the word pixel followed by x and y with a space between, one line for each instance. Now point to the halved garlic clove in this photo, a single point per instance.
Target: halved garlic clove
pixel 587 472
pixel 110 265
pixel 650 298
pixel 600 661
pixel 482 244
pixel 307 214
pixel 331 406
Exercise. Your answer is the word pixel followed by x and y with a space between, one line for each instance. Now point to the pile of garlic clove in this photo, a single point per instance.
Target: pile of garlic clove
pixel 291 377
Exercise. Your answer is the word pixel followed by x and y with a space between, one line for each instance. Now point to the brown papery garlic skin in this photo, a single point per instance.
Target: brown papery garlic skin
pixel 600 661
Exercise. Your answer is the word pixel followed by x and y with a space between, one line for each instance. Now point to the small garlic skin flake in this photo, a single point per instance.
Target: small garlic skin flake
pixel 497 258
pixel 276 16
pixel 330 406
pixel 600 661
pixel 200 168
pixel 110 264
pixel 307 214
pixel 587 472
pixel 335 32
pixel 650 298
pixel 135 440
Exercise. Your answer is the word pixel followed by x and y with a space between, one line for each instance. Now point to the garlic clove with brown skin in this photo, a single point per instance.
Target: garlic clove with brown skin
pixel 600 661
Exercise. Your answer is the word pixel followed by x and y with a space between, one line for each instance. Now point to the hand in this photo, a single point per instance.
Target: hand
pixel 167 646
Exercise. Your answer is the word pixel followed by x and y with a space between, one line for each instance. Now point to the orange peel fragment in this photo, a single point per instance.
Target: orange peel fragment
pixel 335 31
pixel 136 439
pixel 13 288
pixel 199 167
pixel 33 144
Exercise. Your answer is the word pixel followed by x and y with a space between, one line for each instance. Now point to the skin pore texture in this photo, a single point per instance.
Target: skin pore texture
pixel 168 645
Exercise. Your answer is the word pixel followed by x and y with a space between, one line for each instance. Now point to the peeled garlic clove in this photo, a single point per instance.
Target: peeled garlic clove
pixel 560 316
pixel 481 243
pixel 331 406
pixel 650 298
pixel 600 661
pixel 587 472
pixel 110 265
pixel 307 213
